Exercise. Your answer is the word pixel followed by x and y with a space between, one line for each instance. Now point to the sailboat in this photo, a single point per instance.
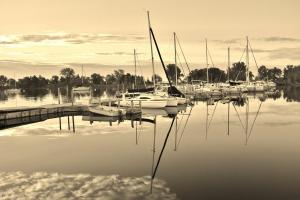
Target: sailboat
pixel 144 98
pixel 14 90
pixel 149 97
pixel 81 89
pixel 251 86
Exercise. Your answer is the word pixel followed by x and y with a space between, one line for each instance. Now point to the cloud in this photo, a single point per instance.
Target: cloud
pixel 279 53
pixel 280 39
pixel 43 185
pixel 69 38
pixel 228 41
pixel 286 53
pixel 118 53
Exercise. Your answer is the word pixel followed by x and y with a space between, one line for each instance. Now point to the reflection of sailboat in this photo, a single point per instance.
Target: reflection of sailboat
pixel 81 89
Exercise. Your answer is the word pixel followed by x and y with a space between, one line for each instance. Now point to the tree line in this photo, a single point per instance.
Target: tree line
pixel 289 75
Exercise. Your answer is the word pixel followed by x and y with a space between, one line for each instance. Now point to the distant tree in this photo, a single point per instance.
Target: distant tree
pixel 97 79
pixel 274 73
pixel 110 79
pixel 215 75
pixel 54 80
pixel 262 72
pixel 3 81
pixel 11 83
pixel 68 74
pixel 119 75
pixel 158 78
pixel 171 72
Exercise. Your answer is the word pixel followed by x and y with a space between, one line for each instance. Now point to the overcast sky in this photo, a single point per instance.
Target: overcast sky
pixel 41 37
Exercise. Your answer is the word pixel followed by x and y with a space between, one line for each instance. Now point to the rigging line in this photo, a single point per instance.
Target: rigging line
pixel 210 58
pixel 187 65
pixel 254 120
pixel 160 57
pixel 238 116
pixel 212 116
pixel 184 127
pixel 162 150
pixel 181 66
pixel 180 122
pixel 239 62
pixel 253 55
pixel 140 66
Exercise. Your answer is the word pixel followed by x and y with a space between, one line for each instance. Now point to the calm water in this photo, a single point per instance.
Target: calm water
pixel 202 160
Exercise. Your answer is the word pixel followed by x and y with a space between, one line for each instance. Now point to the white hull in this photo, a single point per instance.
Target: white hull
pixel 255 88
pixel 107 111
pixel 144 104
pixel 13 91
pixel 171 102
pixel 181 100
pixel 81 89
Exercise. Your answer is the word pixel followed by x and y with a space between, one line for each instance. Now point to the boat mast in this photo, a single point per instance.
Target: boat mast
pixel 82 75
pixel 228 77
pixel 175 59
pixel 247 61
pixel 134 53
pixel 206 51
pixel 152 58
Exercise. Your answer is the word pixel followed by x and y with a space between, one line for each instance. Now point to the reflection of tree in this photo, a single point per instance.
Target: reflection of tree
pixel 3 96
pixel 36 93
pixel 291 93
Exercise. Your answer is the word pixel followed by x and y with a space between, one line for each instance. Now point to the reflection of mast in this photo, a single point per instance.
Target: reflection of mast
pixel 176 131
pixel 184 126
pixel 153 154
pixel 206 124
pixel 161 152
pixel 247 118
pixel 247 138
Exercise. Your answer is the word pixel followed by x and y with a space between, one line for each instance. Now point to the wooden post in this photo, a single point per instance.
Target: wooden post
pixel 73 121
pixel 118 103
pixel 69 123
pixel 132 104
pixel 140 105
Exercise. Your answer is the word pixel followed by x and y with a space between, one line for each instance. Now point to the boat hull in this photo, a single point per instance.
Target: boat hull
pixel 144 104
pixel 107 111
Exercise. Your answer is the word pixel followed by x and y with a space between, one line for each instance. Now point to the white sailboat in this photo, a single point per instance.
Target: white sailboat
pixel 251 86
pixel 14 90
pixel 143 100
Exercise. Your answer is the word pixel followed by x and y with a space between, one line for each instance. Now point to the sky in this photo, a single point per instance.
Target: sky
pixel 42 37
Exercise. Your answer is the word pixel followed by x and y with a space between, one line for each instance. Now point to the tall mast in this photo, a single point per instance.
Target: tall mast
pixel 175 59
pixel 206 52
pixel 81 74
pixel 228 77
pixel 152 58
pixel 134 53
pixel 247 60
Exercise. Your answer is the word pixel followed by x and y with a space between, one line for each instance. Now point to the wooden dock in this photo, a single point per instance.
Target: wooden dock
pixel 16 116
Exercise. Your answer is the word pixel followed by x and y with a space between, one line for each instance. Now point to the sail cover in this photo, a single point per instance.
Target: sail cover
pixel 173 91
